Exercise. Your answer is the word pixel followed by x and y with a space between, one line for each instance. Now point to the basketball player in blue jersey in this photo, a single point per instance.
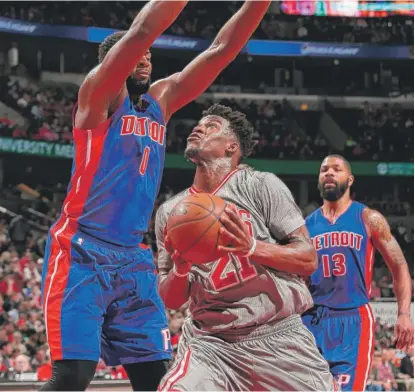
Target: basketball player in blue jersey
pixel 346 234
pixel 99 288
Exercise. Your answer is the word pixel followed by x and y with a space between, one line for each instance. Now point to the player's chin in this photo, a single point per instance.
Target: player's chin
pixel 331 195
pixel 191 152
pixel 142 79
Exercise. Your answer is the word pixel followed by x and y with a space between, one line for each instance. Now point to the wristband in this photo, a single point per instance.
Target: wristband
pixel 179 275
pixel 253 247
pixel 404 314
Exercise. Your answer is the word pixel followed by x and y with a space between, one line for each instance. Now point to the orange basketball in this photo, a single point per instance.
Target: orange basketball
pixel 193 227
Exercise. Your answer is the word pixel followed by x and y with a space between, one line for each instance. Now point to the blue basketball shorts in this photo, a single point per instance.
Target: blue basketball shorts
pixel 101 301
pixel 345 338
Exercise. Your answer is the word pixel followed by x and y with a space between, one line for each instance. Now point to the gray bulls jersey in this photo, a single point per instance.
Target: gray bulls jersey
pixel 233 296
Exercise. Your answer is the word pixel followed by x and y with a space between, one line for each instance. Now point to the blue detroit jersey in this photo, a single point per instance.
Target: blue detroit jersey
pixel 116 174
pixel 345 259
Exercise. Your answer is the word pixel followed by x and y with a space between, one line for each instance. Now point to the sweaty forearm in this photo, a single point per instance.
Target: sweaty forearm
pixel 402 287
pixel 174 290
pixel 298 257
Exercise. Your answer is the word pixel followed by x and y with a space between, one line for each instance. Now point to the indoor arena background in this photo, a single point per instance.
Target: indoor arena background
pixel 317 77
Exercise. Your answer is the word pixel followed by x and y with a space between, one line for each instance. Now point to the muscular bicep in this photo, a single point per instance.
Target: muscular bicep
pixel 382 238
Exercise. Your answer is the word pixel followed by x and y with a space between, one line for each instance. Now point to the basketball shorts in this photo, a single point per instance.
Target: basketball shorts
pixel 101 301
pixel 346 339
pixel 281 357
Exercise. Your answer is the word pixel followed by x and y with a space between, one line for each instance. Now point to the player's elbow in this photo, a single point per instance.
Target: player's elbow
pixel 310 263
pixel 221 52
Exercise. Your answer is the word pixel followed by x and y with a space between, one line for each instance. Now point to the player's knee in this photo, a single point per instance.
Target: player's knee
pixel 70 375
pixel 146 376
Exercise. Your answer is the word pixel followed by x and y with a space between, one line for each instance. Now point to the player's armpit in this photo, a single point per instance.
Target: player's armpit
pixel 108 78
pixel 383 240
pixel 295 254
pixel 185 86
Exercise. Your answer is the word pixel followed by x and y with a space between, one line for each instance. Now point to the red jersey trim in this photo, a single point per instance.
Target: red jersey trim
pixel 194 190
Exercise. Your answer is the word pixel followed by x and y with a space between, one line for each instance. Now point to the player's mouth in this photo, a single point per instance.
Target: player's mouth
pixel 193 137
pixel 329 184
pixel 142 73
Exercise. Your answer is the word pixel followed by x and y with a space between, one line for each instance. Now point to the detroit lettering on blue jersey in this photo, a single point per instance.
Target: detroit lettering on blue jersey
pixel 345 259
pixel 116 174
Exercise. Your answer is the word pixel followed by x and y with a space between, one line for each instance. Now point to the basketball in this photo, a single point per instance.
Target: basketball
pixel 193 227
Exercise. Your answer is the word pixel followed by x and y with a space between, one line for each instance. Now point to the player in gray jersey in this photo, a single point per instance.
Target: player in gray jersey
pixel 245 330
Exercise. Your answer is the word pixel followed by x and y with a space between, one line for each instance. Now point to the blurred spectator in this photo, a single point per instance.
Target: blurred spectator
pixel 204 21
pixel 385 133
pixel 406 369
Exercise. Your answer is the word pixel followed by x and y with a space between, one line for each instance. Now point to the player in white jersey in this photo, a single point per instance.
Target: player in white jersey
pixel 245 330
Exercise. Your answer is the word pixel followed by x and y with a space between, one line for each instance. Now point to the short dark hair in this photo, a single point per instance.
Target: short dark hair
pixel 346 162
pixel 108 43
pixel 239 124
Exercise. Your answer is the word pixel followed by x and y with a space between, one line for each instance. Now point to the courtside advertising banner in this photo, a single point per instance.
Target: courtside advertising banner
pixel 387 312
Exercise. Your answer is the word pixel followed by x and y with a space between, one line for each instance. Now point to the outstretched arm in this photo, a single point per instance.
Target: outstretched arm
pixel 181 88
pixel 105 82
pixel 386 244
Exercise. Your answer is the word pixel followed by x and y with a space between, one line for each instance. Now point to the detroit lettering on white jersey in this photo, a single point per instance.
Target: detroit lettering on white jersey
pixel 232 295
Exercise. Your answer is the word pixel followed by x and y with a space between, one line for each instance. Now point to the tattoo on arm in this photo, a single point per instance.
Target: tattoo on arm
pixel 297 236
pixel 378 225
pixel 382 237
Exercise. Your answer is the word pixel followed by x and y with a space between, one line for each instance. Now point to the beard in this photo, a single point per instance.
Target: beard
pixel 333 194
pixel 192 154
pixel 136 87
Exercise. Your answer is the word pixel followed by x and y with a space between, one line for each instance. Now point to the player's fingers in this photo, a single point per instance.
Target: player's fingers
pixel 234 208
pixel 229 224
pixel 395 334
pixel 409 338
pixel 232 212
pixel 398 341
pixel 402 339
pixel 225 249
pixel 226 237
pixel 405 342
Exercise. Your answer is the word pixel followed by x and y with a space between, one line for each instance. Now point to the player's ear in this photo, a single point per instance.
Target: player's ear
pixel 231 148
pixel 351 180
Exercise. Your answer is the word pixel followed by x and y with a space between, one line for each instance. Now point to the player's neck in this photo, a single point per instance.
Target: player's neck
pixel 333 209
pixel 209 176
pixel 136 100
